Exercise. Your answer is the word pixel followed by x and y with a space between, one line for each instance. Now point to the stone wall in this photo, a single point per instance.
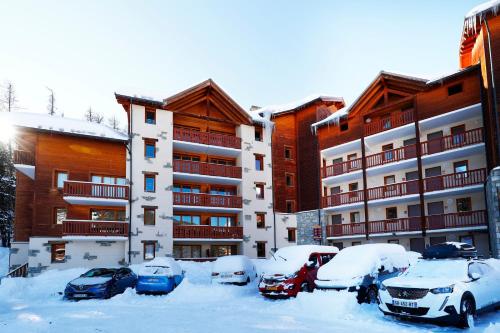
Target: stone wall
pixel 493 202
pixel 306 221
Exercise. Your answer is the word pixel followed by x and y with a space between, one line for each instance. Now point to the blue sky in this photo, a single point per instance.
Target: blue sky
pixel 260 52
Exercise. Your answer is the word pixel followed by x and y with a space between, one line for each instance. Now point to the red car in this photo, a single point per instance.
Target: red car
pixel 293 269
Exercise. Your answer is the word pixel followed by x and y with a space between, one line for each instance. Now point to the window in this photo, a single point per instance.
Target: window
pixel 388 180
pixel 335 190
pixel 464 205
pixel 289 179
pixel 437 240
pixel 460 166
pixel 261 220
pixel 221 161
pixel 60 178
pixel 337 219
pixel 409 142
pixel 432 172
pixel 259 162
pixel 391 213
pixel 469 239
pixel 458 134
pixel 355 217
pixel 337 160
pixel 339 245
pixel 258 133
pixel 149 250
pixel 261 249
pixel 353 187
pixel 187 251
pixel 107 215
pixel 149 183
pixel 344 126
pixel 150 116
pixel 290 206
pixel 411 175
pixel 149 215
pixel 58 252
pixel 386 122
pixel 355 243
pixel 291 234
pixel 195 189
pixel 109 180
pixel 389 154
pixel 288 153
pixel 222 221
pixel 216 190
pixel 393 241
pixel 187 219
pixel 259 191
pixel 60 215
pixel 150 148
pixel 223 250
pixel 455 89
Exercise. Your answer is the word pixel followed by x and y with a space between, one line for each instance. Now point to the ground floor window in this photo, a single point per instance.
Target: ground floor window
pixel 58 252
pixel 60 215
pixel 393 241
pixel 187 251
pixel 223 250
pixel 355 243
pixel 469 239
pixel 149 250
pixel 261 249
pixel 107 215
pixel 291 234
pixel 339 245
pixel 437 240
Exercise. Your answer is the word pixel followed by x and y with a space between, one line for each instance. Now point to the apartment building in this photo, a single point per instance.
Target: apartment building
pixel 406 163
pixel 71 193
pixel 201 173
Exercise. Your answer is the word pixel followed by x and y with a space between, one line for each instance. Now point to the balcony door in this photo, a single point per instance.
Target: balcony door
pixel 435 211
pixel 458 135
pixel 412 182
pixel 432 181
pixel 414 217
pixel 435 142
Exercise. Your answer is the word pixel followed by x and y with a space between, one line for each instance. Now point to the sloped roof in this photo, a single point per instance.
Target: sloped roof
pixel 295 105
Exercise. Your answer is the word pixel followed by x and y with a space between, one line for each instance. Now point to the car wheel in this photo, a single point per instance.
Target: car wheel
pixel 304 287
pixel 372 295
pixel 248 280
pixel 467 312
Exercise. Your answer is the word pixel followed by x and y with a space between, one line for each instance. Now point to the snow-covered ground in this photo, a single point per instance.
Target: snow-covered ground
pixel 34 305
pixel 4 261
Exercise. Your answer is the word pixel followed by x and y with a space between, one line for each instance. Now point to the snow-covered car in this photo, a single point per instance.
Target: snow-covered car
pixel 100 283
pixel 236 269
pixel 362 268
pixel 159 276
pixel 445 290
pixel 293 269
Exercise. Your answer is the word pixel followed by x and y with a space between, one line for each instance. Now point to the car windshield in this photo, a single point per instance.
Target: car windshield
pixel 434 269
pixel 100 272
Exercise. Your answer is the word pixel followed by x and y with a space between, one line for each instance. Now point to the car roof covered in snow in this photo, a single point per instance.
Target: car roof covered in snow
pixel 166 262
pixel 61 125
pixel 229 263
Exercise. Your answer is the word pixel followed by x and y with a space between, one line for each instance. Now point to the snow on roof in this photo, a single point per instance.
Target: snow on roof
pixel 46 122
pixel 334 118
pixel 477 13
pixel 277 109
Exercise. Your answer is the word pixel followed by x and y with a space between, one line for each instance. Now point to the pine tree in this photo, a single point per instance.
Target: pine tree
pixel 8 100
pixel 114 122
pixel 51 106
pixel 7 194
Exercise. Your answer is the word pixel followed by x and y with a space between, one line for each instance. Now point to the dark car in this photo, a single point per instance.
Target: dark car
pixel 100 283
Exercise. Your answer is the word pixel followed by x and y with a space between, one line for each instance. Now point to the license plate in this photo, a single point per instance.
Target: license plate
pixel 406 304
pixel 272 288
pixel 226 276
pixel 79 295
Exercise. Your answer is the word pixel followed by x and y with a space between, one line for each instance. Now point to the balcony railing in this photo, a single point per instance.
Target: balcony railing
pixel 207 200
pixel 449 142
pixel 207 231
pixel 393 190
pixel 208 169
pixel 396 119
pixel 341 168
pixel 207 138
pixel 343 198
pixel 95 190
pixel 24 157
pixel 393 155
pixel 454 180
pixel 95 228
pixel 457 220
pixel 409 224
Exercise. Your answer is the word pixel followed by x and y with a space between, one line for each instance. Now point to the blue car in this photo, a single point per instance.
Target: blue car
pixel 159 276
pixel 100 283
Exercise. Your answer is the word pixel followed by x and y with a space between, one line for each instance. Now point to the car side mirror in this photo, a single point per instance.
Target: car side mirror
pixel 474 276
pixel 310 264
pixel 381 269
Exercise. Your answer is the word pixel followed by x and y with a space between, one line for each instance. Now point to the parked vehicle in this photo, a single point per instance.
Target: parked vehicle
pixel 159 276
pixel 446 290
pixel 100 283
pixel 236 269
pixel 293 269
pixel 362 268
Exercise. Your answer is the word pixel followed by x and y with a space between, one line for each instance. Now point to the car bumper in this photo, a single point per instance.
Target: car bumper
pixel 230 280
pixel 155 287
pixel 88 294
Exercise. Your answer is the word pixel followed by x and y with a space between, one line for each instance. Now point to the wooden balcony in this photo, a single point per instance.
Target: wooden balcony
pixel 409 224
pixel 207 232
pixel 393 190
pixel 455 180
pixel 390 156
pixel 395 119
pixel 341 168
pixel 450 142
pixel 95 190
pixel 95 228
pixel 207 138
pixel 457 220
pixel 208 169
pixel 343 198
pixel 24 157
pixel 207 200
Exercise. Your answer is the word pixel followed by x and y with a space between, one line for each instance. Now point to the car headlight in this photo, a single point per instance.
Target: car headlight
pixel 100 286
pixel 442 290
pixel 382 287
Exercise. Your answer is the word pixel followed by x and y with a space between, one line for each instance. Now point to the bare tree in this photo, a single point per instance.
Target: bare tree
pixel 93 117
pixel 98 118
pixel 9 100
pixel 51 106
pixel 114 122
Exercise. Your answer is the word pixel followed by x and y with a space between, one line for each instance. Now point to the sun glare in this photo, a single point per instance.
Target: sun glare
pixel 7 132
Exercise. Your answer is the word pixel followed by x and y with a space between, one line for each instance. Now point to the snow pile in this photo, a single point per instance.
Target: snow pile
pixel 290 259
pixel 50 123
pixel 361 260
pixel 161 266
pixel 232 264
pixel 4 261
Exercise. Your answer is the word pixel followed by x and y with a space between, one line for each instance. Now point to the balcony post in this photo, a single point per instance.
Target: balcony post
pixel 365 189
pixel 419 165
